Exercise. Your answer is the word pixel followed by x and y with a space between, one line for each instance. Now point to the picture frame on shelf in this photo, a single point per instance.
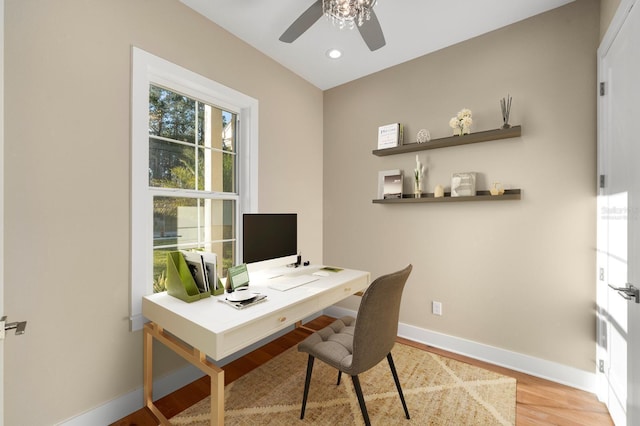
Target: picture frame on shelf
pixel 390 135
pixel 381 177
pixel 393 186
pixel 463 184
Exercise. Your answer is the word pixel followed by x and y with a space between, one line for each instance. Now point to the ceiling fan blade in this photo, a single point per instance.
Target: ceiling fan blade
pixel 303 23
pixel 371 33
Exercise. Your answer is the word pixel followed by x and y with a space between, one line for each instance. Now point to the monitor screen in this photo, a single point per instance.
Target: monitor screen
pixel 267 236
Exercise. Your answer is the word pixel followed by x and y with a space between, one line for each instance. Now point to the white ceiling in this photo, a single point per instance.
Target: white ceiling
pixel 412 28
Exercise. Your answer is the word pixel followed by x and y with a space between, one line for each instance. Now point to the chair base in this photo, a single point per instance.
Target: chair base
pixel 307 381
pixel 392 366
pixel 357 387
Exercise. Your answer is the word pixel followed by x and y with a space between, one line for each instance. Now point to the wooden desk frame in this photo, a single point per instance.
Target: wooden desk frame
pixel 195 357
pixel 193 331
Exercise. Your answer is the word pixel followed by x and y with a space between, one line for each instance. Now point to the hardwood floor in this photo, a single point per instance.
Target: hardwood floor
pixel 539 401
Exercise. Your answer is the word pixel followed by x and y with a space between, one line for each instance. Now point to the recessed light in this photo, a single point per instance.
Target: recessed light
pixel 334 53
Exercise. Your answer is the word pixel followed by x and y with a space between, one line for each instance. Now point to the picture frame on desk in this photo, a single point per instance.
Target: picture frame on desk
pixel 237 277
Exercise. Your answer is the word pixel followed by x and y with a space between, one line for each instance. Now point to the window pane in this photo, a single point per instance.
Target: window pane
pixel 218 171
pixel 172 115
pixel 218 128
pixel 185 223
pixel 172 165
pixel 229 173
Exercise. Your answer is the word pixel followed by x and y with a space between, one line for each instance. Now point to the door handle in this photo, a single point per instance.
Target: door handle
pixel 18 326
pixel 629 292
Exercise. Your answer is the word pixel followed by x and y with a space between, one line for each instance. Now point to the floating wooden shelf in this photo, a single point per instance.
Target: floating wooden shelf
pixel 509 194
pixel 489 135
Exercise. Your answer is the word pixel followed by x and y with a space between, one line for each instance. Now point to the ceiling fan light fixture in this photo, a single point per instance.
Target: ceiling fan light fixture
pixel 334 53
pixel 348 13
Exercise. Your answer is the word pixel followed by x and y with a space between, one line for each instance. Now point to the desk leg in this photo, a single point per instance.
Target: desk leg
pixel 148 333
pixel 301 326
pixel 195 357
pixel 217 395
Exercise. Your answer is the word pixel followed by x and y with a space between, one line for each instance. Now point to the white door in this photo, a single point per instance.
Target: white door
pixel 619 216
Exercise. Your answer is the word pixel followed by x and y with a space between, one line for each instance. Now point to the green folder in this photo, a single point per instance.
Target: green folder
pixel 180 282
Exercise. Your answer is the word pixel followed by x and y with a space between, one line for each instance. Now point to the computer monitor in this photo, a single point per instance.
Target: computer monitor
pixel 269 240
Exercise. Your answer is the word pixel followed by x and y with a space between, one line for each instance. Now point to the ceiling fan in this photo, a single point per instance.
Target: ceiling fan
pixel 369 29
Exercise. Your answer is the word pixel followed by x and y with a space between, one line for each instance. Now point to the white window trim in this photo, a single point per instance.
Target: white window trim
pixel 149 69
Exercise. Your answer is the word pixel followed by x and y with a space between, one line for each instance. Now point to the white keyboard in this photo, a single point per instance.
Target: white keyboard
pixel 287 283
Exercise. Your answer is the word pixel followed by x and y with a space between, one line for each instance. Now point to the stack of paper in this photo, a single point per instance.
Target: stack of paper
pixel 203 269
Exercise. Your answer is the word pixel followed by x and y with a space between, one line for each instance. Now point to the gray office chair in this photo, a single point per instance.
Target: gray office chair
pixel 354 345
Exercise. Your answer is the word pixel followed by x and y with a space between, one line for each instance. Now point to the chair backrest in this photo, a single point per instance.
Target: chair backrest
pixel 376 326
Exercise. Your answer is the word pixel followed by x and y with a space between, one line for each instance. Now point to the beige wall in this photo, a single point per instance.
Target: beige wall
pixel 67 154
pixel 517 275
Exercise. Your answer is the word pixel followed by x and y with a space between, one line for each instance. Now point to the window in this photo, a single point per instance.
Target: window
pixel 194 169
pixel 192 177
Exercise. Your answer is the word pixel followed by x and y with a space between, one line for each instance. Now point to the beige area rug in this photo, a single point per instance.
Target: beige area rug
pixel 438 391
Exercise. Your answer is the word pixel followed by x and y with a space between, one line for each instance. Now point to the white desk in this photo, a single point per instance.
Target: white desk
pixel 210 328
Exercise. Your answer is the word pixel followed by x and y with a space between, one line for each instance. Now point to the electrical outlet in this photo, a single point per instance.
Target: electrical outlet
pixel 436 308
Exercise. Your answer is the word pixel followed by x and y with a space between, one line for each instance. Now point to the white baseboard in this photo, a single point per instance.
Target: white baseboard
pixel 126 404
pixel 131 402
pixel 544 369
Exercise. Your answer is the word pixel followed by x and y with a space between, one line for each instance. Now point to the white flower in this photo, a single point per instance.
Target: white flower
pixel 463 113
pixel 461 123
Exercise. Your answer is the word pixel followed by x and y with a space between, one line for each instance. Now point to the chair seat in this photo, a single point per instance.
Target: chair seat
pixel 332 344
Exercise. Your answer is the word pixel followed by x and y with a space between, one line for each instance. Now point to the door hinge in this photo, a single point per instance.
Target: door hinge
pixel 602 181
pixel 601 365
pixel 602 88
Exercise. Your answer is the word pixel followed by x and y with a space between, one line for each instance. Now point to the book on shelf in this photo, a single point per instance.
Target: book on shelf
pixel 390 135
